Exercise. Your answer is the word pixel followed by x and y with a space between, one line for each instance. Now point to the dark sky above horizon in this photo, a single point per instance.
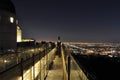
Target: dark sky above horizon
pixel 73 20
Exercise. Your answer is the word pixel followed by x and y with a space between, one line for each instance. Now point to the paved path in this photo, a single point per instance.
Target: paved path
pixel 56 73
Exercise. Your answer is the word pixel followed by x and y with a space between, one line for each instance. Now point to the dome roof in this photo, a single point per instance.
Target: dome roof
pixel 7 5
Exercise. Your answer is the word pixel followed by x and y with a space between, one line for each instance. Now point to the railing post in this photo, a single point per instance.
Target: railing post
pixel 21 65
pixel 40 65
pixel 33 67
pixel 69 66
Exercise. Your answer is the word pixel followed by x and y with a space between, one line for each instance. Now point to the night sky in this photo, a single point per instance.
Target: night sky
pixel 82 20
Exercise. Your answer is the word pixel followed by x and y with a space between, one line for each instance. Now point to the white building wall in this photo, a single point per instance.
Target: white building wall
pixel 19 34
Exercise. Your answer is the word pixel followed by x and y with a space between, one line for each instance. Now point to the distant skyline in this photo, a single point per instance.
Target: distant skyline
pixel 73 20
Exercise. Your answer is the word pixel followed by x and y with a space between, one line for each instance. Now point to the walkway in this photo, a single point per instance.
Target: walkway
pixel 56 73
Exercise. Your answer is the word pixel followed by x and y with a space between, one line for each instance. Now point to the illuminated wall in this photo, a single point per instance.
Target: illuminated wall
pixel 27 40
pixel 19 34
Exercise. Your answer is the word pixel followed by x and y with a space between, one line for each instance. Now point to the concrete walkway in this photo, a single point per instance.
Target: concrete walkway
pixel 56 73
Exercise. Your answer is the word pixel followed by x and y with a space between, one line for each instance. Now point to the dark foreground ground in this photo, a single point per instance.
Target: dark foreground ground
pixel 98 67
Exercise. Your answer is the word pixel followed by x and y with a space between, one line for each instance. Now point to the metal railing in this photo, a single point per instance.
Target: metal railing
pixel 31 68
pixel 77 70
pixel 71 69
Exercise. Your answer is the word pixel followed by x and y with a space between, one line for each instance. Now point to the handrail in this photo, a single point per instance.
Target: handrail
pixel 81 73
pixel 65 75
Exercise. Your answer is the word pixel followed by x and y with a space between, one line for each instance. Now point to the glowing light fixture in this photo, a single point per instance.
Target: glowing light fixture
pixel 11 20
